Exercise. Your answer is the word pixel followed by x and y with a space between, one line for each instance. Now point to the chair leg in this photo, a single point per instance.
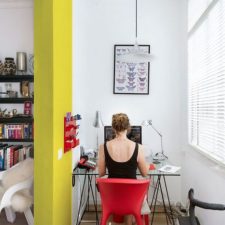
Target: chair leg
pixel 146 218
pixel 10 214
pixel 104 218
pixel 139 220
pixel 29 217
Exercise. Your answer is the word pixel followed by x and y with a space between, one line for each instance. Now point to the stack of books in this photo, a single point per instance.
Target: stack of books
pixel 16 131
pixel 12 154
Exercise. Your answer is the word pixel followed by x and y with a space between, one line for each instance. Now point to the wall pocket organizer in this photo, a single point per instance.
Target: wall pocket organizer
pixel 70 132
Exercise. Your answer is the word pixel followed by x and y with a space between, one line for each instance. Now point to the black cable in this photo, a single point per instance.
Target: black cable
pixel 136 19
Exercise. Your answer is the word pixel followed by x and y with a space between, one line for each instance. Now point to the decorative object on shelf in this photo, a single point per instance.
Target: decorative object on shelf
pixel 130 78
pixel 159 156
pixel 24 88
pixel 14 112
pixel 98 124
pixel 30 64
pixel 8 87
pixel 27 108
pixel 21 62
pixel 9 66
pixel 2 112
pixel 1 67
pixel 136 53
pixel 9 92
pixel 12 94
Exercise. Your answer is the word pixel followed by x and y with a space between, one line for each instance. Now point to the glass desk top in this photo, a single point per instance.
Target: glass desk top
pixel 155 172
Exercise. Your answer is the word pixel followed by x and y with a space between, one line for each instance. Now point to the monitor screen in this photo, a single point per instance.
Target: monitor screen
pixel 135 134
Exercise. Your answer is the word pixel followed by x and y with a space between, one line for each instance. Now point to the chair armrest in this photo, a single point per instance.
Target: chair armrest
pixel 6 199
pixel 205 205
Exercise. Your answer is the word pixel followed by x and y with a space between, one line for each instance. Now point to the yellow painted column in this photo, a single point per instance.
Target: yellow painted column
pixel 52 99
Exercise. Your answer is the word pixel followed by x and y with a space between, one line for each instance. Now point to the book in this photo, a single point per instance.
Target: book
pixel 8 157
pixel 2 155
pixel 169 169
pixel 1 159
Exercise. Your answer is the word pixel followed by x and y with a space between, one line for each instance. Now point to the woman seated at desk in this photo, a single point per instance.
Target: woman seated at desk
pixel 121 156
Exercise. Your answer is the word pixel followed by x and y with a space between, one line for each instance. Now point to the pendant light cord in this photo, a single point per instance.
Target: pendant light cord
pixel 136 19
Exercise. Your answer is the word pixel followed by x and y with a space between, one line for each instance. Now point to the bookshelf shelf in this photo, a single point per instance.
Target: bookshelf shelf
pixel 15 100
pixel 16 78
pixel 16 140
pixel 17 120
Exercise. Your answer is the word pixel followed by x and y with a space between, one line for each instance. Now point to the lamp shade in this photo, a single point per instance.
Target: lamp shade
pixel 146 123
pixel 98 120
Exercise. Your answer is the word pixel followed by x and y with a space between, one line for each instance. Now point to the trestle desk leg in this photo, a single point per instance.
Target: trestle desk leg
pixel 155 195
pixel 164 205
pixel 167 193
pixel 94 199
pixel 81 197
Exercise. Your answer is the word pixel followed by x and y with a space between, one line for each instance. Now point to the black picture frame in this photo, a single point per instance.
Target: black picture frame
pixel 135 134
pixel 130 78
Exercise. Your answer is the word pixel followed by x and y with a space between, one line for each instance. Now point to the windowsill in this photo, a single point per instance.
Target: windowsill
pixel 208 156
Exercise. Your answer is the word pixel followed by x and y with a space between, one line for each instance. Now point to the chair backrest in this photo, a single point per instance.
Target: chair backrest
pixel 192 219
pixel 122 196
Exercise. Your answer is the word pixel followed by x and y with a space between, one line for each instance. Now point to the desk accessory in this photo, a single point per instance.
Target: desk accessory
pixel 98 124
pixel 169 169
pixel 159 156
pixel 151 166
pixel 86 163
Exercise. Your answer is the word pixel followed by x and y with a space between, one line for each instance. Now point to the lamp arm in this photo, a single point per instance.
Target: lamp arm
pixel 162 151
pixel 160 137
pixel 156 131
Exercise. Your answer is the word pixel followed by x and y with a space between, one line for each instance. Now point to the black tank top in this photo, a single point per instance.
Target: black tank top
pixel 121 169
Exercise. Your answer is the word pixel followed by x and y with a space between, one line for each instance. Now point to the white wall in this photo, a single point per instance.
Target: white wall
pixel 16 29
pixel 16 23
pixel 98 25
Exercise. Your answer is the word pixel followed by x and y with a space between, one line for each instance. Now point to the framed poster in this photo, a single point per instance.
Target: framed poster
pixel 130 77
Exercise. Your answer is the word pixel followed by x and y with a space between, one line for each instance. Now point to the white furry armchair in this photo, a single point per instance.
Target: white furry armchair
pixel 16 190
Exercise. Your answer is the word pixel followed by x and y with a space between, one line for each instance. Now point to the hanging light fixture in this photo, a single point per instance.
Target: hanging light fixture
pixel 136 53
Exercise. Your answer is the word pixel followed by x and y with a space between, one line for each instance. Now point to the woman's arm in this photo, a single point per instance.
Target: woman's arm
pixel 101 161
pixel 142 164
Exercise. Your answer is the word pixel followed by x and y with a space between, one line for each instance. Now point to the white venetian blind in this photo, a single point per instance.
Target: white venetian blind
pixel 206 73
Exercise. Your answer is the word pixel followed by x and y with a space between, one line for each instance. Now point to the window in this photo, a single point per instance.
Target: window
pixel 206 77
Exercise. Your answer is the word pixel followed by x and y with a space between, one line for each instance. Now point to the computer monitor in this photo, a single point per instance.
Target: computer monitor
pixel 135 134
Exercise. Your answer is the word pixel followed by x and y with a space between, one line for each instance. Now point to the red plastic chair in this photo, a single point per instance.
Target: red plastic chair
pixel 122 197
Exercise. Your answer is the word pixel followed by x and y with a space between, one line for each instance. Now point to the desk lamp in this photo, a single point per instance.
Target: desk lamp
pixel 159 156
pixel 98 124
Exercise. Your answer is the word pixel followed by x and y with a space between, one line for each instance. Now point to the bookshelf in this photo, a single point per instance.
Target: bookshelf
pixel 16 131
